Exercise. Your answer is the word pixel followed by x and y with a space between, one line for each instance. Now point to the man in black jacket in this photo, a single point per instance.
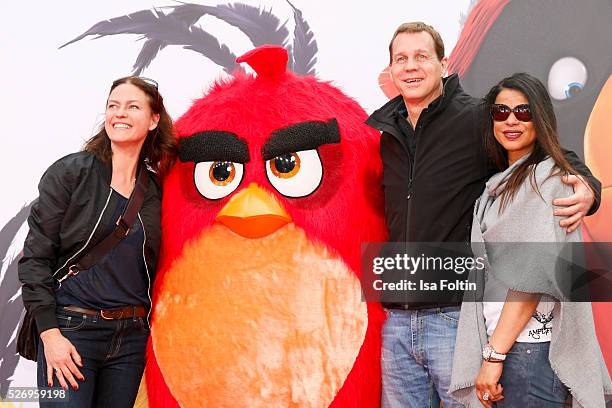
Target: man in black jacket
pixel 434 168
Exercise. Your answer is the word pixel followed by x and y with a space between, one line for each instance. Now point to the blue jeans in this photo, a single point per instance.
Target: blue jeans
pixel 417 357
pixel 113 355
pixel 528 379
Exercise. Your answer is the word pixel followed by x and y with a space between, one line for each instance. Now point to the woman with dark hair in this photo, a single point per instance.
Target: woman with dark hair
pixel 519 339
pixel 93 322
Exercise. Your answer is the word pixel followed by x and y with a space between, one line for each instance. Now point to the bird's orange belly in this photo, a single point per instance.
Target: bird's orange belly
pixel 270 322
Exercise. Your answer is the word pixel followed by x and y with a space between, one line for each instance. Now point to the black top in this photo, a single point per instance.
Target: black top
pixel 67 220
pixel 118 279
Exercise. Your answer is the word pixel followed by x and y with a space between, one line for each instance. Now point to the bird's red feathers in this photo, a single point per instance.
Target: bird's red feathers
pixel 343 212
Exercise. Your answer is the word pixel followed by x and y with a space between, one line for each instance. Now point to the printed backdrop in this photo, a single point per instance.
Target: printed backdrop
pixel 53 97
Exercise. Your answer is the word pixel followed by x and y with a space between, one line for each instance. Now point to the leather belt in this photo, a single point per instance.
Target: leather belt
pixel 110 314
pixel 419 306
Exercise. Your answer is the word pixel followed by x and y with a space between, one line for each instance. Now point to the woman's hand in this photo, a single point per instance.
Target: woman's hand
pixel 61 357
pixel 518 309
pixel 487 383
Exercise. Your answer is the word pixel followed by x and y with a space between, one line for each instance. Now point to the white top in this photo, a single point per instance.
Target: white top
pixel 537 330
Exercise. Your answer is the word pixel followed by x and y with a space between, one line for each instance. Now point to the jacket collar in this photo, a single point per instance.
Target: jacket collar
pixel 383 118
pixel 106 169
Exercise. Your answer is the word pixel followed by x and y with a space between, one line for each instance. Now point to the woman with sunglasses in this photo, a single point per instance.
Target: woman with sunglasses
pixel 93 323
pixel 519 344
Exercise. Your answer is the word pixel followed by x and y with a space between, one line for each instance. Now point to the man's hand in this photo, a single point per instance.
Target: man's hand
pixel 488 388
pixel 61 357
pixel 576 206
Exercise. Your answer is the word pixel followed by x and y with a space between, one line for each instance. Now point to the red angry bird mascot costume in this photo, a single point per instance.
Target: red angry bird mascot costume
pixel 258 301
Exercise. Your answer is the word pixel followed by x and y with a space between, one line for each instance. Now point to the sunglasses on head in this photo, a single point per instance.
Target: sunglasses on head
pixel 500 112
pixel 149 81
pixel 153 83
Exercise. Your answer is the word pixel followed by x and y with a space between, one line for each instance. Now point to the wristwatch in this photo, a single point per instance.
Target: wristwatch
pixel 489 354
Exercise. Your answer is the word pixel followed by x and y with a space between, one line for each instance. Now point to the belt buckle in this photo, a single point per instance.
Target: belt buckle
pixel 112 316
pixel 73 270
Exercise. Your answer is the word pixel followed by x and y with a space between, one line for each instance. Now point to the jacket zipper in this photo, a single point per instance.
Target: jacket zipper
pixel 144 258
pixel 417 128
pixel 90 235
pixel 409 195
pixel 392 131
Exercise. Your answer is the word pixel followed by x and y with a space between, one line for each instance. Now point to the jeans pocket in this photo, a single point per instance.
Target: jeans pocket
pixel 142 325
pixel 70 323
pixel 392 335
pixel 451 316
pixel 559 389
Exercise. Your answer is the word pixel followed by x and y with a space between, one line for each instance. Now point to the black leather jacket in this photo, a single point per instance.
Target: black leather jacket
pixel 66 220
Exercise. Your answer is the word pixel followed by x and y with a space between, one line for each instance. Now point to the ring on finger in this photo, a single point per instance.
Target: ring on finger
pixel 485 396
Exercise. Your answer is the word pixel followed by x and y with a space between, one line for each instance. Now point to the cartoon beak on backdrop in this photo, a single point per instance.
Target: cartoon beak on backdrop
pixel 597 148
pixel 253 213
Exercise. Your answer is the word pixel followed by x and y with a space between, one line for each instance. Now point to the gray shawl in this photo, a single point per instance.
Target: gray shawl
pixel 574 354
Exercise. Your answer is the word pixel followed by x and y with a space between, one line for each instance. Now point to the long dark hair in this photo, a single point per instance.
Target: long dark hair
pixel 546 143
pixel 159 148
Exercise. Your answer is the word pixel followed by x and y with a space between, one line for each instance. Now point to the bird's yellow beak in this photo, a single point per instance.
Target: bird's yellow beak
pixel 253 213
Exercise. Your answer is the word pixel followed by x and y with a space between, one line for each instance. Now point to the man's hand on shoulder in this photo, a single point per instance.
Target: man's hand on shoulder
pixel 576 206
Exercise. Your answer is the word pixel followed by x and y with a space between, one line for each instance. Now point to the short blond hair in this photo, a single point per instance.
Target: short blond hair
pixel 419 27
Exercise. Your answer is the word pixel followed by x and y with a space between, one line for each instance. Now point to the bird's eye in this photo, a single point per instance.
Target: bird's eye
pixel 566 78
pixel 295 174
pixel 217 179
pixel 286 165
pixel 222 173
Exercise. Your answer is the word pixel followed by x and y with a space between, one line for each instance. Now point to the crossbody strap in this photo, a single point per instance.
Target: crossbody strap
pixel 122 228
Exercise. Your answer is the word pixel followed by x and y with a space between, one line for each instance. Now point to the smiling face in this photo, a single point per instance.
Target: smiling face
pixel 128 116
pixel 518 138
pixel 415 68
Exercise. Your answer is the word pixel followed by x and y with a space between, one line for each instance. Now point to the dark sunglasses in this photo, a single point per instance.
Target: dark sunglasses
pixel 500 112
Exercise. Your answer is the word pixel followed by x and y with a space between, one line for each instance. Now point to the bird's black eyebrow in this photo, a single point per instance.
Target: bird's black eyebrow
pixel 213 145
pixel 301 136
